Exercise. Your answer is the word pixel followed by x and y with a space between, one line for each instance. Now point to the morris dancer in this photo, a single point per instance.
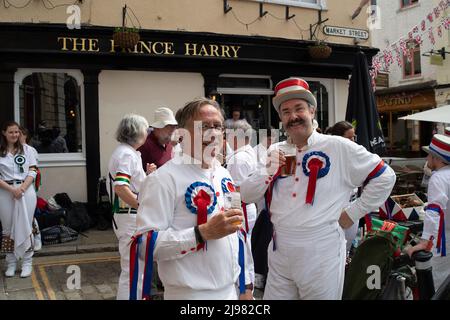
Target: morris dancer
pixel 307 252
pixel 17 199
pixel 124 180
pixel 197 243
pixel 437 212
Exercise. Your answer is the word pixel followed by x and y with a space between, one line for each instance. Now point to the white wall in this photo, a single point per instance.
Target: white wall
pixel 340 104
pixel 141 92
pixel 71 180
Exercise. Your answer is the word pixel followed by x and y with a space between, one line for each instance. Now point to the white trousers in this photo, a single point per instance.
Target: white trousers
pixel 306 265
pixel 175 293
pixel 126 227
pixel 441 265
pixel 6 216
pixel 350 234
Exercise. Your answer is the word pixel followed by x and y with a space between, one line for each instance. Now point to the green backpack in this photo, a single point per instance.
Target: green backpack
pixel 377 250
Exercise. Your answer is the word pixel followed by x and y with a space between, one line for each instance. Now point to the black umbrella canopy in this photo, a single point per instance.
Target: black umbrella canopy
pixel 362 109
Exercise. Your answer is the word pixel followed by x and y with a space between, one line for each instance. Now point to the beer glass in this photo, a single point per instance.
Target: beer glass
pixel 290 153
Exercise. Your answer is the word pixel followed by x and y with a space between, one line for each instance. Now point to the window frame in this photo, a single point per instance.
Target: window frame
pixel 319 5
pixel 71 159
pixel 408 5
pixel 404 61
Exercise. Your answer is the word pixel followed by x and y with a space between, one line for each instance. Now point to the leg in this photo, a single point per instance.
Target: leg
pixel 126 224
pixel 11 265
pixel 27 264
pixel 6 209
pixel 321 276
pixel 279 286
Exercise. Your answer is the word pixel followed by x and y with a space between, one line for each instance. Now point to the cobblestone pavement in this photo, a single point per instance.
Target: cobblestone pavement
pixel 99 274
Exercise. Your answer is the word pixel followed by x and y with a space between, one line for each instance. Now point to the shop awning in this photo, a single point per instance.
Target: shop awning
pixel 440 114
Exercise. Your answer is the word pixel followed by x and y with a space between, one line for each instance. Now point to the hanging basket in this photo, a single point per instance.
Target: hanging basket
pixel 126 39
pixel 321 51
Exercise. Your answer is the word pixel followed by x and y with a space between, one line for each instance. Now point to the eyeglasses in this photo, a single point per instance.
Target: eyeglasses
pixel 217 127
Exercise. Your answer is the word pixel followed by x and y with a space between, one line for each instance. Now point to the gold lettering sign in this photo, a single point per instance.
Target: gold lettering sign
pixel 150 48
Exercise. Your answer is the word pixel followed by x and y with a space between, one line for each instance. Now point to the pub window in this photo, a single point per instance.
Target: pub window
pixel 407 3
pixel 412 68
pixel 50 108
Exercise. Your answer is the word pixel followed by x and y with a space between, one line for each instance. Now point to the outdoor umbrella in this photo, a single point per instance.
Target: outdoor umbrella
pixel 441 114
pixel 362 109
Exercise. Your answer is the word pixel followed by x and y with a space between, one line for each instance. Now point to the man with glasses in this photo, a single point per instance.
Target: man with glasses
pixel 183 221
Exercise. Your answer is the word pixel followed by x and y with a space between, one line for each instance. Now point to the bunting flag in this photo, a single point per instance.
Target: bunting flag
pixel 434 22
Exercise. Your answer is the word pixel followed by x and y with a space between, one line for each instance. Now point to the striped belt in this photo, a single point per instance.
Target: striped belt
pixel 14 182
pixel 127 211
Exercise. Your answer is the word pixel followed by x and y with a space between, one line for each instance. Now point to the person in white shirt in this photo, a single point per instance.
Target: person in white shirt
pixel 310 208
pixel 125 175
pixel 437 211
pixel 182 221
pixel 242 162
pixel 25 139
pixel 18 199
pixel 235 116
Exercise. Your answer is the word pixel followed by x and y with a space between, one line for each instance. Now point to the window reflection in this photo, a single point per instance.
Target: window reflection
pixel 50 109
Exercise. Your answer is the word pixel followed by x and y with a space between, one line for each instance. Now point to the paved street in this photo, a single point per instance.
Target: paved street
pixel 96 256
pixel 49 281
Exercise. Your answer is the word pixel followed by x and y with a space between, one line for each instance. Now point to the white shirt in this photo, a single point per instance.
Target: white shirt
pixel 125 162
pixel 350 166
pixel 241 164
pixel 261 153
pixel 164 201
pixel 438 194
pixel 10 170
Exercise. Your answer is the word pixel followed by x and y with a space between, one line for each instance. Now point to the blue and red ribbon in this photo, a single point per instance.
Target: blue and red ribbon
pixel 440 243
pixel 242 265
pixel 148 267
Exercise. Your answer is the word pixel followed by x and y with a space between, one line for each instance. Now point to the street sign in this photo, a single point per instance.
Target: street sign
pixel 346 32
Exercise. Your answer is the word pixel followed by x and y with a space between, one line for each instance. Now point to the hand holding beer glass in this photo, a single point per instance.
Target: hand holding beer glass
pixel 290 153
pixel 233 201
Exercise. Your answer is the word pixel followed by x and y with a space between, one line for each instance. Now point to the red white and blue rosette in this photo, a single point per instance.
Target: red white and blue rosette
pixel 228 185
pixel 200 190
pixel 316 165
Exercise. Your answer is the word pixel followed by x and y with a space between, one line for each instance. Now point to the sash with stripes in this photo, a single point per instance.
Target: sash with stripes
pixel 440 244
pixel 148 246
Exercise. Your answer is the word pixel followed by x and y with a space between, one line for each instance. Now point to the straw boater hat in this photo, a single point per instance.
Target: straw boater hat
pixel 292 88
pixel 163 117
pixel 439 147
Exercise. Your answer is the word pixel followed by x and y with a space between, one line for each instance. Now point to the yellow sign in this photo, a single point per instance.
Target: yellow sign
pixel 436 60
pixel 151 48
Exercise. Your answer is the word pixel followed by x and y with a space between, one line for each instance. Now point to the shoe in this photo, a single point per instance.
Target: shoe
pixel 10 271
pixel 26 271
pixel 37 242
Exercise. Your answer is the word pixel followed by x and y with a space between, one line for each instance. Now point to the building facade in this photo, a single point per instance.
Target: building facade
pixel 417 84
pixel 70 87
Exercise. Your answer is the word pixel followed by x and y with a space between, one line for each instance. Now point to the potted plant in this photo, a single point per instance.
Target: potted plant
pixel 126 37
pixel 320 50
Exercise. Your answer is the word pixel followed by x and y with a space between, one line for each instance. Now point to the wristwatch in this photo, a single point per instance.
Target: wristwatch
pixel 198 236
pixel 249 286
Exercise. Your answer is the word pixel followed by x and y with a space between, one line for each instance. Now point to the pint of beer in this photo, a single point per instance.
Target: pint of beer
pixel 233 201
pixel 290 153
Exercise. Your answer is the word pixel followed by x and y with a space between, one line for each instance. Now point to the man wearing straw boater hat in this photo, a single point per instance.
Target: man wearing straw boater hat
pixel 309 207
pixel 437 211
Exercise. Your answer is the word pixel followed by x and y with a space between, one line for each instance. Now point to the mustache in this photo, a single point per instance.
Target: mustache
pixel 295 122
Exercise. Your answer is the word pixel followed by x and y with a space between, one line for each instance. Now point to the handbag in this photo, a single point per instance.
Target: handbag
pixel 7 245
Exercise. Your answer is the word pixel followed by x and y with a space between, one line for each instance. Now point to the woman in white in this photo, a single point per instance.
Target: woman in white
pixel 125 175
pixel 25 139
pixel 17 198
